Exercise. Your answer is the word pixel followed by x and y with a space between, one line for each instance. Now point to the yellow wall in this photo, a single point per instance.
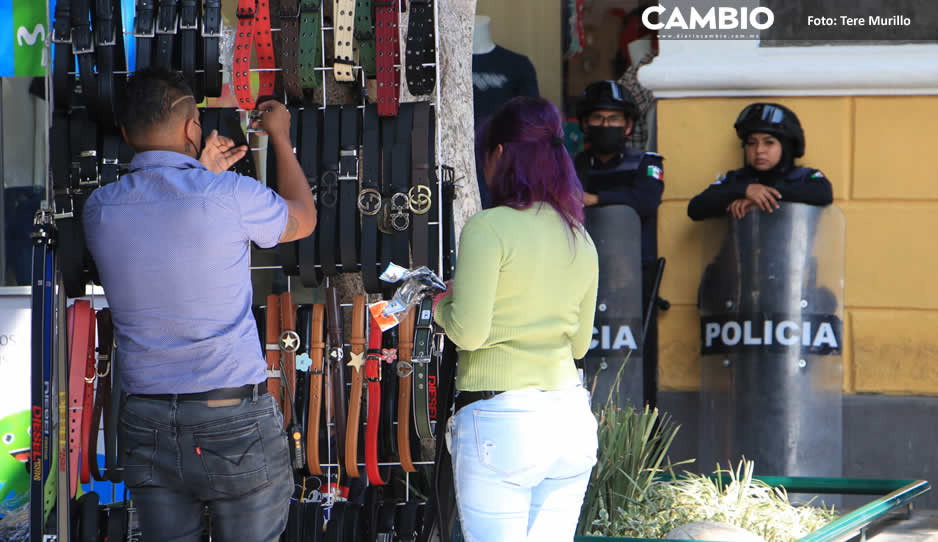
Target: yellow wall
pixel 531 28
pixel 879 153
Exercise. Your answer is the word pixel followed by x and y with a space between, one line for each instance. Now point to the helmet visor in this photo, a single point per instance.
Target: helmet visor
pixel 761 112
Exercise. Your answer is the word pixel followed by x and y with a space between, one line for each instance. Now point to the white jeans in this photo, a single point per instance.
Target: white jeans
pixel 521 463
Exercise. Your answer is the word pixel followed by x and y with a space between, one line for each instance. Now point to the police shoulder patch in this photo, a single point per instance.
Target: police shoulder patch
pixel 720 178
pixel 817 175
pixel 655 172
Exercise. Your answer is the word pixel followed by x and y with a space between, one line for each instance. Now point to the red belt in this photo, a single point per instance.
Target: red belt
pixel 253 26
pixel 81 326
pixel 389 56
pixel 373 378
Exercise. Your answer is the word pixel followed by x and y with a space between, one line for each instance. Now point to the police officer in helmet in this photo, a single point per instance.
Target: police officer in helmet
pixel 772 138
pixel 614 174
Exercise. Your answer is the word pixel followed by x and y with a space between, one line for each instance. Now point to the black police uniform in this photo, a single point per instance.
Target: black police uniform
pixel 800 185
pixel 633 178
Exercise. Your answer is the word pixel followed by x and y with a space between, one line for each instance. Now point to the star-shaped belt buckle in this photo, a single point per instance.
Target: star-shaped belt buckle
pixel 289 341
pixel 357 361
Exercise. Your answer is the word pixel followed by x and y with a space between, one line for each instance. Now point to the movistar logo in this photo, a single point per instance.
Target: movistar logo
pixel 23 35
pixel 722 18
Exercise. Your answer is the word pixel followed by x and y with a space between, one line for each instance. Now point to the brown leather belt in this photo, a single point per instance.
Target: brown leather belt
pixel 336 354
pixel 289 344
pixel 405 371
pixel 272 347
pixel 314 412
pixel 357 363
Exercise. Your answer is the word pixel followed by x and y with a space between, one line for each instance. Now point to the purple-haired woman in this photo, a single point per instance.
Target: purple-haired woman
pixel 523 439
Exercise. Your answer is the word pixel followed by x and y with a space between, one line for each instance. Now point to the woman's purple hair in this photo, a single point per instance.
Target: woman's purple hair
pixel 534 165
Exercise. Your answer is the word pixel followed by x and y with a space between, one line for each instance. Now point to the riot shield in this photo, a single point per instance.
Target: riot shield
pixel 614 361
pixel 771 309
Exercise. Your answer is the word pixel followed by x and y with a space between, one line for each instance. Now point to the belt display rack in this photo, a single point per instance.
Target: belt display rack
pixel 361 407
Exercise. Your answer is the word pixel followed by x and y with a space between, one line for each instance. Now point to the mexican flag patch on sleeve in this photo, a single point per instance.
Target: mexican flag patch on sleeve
pixel 655 172
pixel 817 175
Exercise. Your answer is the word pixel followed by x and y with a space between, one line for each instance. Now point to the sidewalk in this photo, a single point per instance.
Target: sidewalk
pixel 921 526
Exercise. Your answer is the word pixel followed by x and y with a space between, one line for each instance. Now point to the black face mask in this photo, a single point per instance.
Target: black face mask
pixel 606 139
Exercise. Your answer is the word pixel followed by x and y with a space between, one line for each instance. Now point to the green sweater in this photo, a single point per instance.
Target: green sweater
pixel 523 302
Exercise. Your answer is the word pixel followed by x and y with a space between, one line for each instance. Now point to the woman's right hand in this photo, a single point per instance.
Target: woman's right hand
pixel 764 196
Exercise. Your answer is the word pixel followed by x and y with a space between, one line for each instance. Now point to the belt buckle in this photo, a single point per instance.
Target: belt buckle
pixel 138 33
pixel 193 26
pixel 369 201
pixel 58 39
pixel 329 195
pixel 161 30
pixel 79 50
pixel 398 217
pixel 421 199
pixel 110 42
pixel 404 369
pixel 206 34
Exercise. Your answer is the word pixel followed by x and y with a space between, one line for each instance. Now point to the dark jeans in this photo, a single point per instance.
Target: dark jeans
pixel 181 455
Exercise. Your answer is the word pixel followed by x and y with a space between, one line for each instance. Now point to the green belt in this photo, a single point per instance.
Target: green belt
pixel 365 36
pixel 310 56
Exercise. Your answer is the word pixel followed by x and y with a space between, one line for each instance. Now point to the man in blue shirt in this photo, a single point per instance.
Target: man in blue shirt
pixel 171 241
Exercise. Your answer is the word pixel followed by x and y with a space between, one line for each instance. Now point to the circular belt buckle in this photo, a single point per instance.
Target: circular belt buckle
pixel 289 341
pixel 420 199
pixel 369 201
pixel 404 369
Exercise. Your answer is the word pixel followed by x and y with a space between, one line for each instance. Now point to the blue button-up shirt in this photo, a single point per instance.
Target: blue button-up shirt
pixel 171 241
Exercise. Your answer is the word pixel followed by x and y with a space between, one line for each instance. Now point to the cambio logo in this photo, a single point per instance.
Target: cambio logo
pixel 715 18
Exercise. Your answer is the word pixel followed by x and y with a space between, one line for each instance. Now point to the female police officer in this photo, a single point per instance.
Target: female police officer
pixel 772 138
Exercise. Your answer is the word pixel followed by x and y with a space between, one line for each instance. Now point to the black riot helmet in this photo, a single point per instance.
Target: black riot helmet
pixel 773 119
pixel 606 95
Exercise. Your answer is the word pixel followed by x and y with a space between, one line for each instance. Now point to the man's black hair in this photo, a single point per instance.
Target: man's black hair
pixel 148 98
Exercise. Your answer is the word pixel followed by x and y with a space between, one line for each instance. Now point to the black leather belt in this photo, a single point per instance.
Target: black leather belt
pixel 188 44
pixel 464 398
pixel 421 48
pixel 424 380
pixel 309 161
pixel 399 212
pixel 387 430
pixel 348 189
pixel 109 42
pixel 64 59
pixel 144 25
pixel 329 192
pixel 247 391
pixel 449 232
pixel 211 32
pixel 420 194
pixel 167 24
pixel 83 48
pixel 229 125
pixel 405 524
pixel 385 238
pixel 369 200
